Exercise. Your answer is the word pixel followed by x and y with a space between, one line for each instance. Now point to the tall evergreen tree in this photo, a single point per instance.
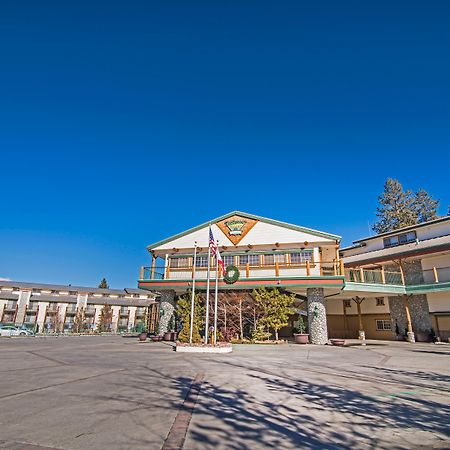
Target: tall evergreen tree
pixel 425 206
pixel 103 284
pixel 401 209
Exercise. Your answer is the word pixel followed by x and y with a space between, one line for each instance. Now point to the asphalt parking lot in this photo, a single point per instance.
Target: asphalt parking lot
pixel 115 393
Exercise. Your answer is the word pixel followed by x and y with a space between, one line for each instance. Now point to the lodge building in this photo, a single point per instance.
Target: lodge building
pixel 394 285
pixel 390 286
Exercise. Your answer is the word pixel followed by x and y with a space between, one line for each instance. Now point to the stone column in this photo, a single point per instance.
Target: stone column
pixel 166 310
pixel 317 316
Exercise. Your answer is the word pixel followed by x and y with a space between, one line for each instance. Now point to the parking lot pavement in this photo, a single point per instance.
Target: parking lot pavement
pixel 109 392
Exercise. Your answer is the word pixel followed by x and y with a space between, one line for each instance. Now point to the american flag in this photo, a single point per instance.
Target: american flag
pixel 215 250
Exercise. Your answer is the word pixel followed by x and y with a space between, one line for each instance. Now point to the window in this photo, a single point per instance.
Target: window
pixel 201 261
pixel 301 257
pixel 179 262
pixel 383 325
pixel 380 301
pixel 228 260
pixel 347 303
pixel 252 260
pixel 400 239
pixel 272 259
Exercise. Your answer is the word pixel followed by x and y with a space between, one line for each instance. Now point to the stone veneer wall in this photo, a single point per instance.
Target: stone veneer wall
pixel 166 310
pixel 418 304
pixel 317 316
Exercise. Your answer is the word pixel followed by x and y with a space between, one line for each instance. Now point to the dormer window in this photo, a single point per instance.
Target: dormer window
pixel 400 239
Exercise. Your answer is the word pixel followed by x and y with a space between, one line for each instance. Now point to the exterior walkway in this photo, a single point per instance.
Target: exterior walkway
pixel 114 393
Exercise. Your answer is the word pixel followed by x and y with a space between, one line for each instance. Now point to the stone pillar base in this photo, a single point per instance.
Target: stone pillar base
pixel 317 316
pixel 410 337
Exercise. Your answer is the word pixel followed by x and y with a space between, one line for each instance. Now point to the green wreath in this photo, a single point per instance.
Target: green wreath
pixel 231 274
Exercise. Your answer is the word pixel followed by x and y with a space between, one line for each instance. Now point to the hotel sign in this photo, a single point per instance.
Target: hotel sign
pixel 236 227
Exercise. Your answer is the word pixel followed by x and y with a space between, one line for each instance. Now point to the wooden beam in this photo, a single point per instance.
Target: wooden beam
pixel 308 269
pixel 383 275
pixel 277 269
pixel 361 274
pixel 152 274
pixel 341 266
pixel 141 275
pixel 401 272
pixel 408 313
pixel 247 270
pixel 436 276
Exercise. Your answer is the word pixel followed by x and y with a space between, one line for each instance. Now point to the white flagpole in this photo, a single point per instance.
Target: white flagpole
pixel 194 266
pixel 216 293
pixel 207 289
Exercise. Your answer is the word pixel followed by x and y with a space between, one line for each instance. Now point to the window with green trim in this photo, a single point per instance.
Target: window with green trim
pixel 179 262
pixel 301 257
pixel 228 260
pixel 252 260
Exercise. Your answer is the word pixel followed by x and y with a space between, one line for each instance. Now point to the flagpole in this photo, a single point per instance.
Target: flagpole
pixel 207 288
pixel 194 266
pixel 216 293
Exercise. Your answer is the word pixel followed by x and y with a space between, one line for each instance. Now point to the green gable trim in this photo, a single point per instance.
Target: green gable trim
pixel 249 216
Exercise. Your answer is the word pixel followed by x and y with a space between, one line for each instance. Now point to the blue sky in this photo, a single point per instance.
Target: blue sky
pixel 122 123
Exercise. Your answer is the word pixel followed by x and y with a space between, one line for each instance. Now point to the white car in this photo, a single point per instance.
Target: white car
pixel 10 330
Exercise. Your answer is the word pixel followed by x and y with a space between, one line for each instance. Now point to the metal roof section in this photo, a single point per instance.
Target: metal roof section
pixel 405 250
pixel 401 230
pixel 70 288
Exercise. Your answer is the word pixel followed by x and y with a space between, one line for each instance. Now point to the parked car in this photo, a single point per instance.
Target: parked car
pixel 11 330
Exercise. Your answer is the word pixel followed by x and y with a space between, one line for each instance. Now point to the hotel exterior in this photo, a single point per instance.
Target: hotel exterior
pixel 390 286
pixel 54 308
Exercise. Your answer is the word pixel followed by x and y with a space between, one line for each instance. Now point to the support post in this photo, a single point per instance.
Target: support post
pixel 361 274
pixel 436 276
pixel 308 269
pixel 361 332
pixel 152 273
pixel 247 270
pixel 383 275
pixel 402 273
pixel 317 316
pixel 141 275
pixel 277 269
pixel 410 334
pixel 341 265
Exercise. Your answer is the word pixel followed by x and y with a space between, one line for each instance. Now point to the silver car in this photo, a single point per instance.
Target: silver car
pixel 11 330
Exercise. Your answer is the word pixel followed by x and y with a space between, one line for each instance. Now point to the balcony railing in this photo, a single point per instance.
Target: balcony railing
pixel 379 276
pixel 279 270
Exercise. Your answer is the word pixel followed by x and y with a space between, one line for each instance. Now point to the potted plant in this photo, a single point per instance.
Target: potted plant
pixel 300 335
pixel 156 337
pixel 171 335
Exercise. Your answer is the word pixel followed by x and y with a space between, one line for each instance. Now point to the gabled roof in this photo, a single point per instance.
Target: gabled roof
pixel 249 216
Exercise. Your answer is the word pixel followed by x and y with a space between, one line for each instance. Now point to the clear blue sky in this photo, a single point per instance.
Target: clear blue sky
pixel 122 123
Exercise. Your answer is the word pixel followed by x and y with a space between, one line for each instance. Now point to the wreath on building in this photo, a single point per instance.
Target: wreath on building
pixel 231 274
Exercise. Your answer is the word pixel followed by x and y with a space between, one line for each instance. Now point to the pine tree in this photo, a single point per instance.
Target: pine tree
pixel 401 209
pixel 105 319
pixel 425 206
pixel 277 307
pixel 103 284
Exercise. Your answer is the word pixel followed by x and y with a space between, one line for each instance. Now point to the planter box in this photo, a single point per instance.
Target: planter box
pixel 301 338
pixel 156 338
pixel 337 342
pixel 203 349
pixel 170 336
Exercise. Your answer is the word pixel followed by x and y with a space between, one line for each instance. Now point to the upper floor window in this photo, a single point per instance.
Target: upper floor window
pixel 228 260
pixel 272 259
pixel 301 257
pixel 201 261
pixel 179 262
pixel 400 239
pixel 252 260
pixel 380 301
